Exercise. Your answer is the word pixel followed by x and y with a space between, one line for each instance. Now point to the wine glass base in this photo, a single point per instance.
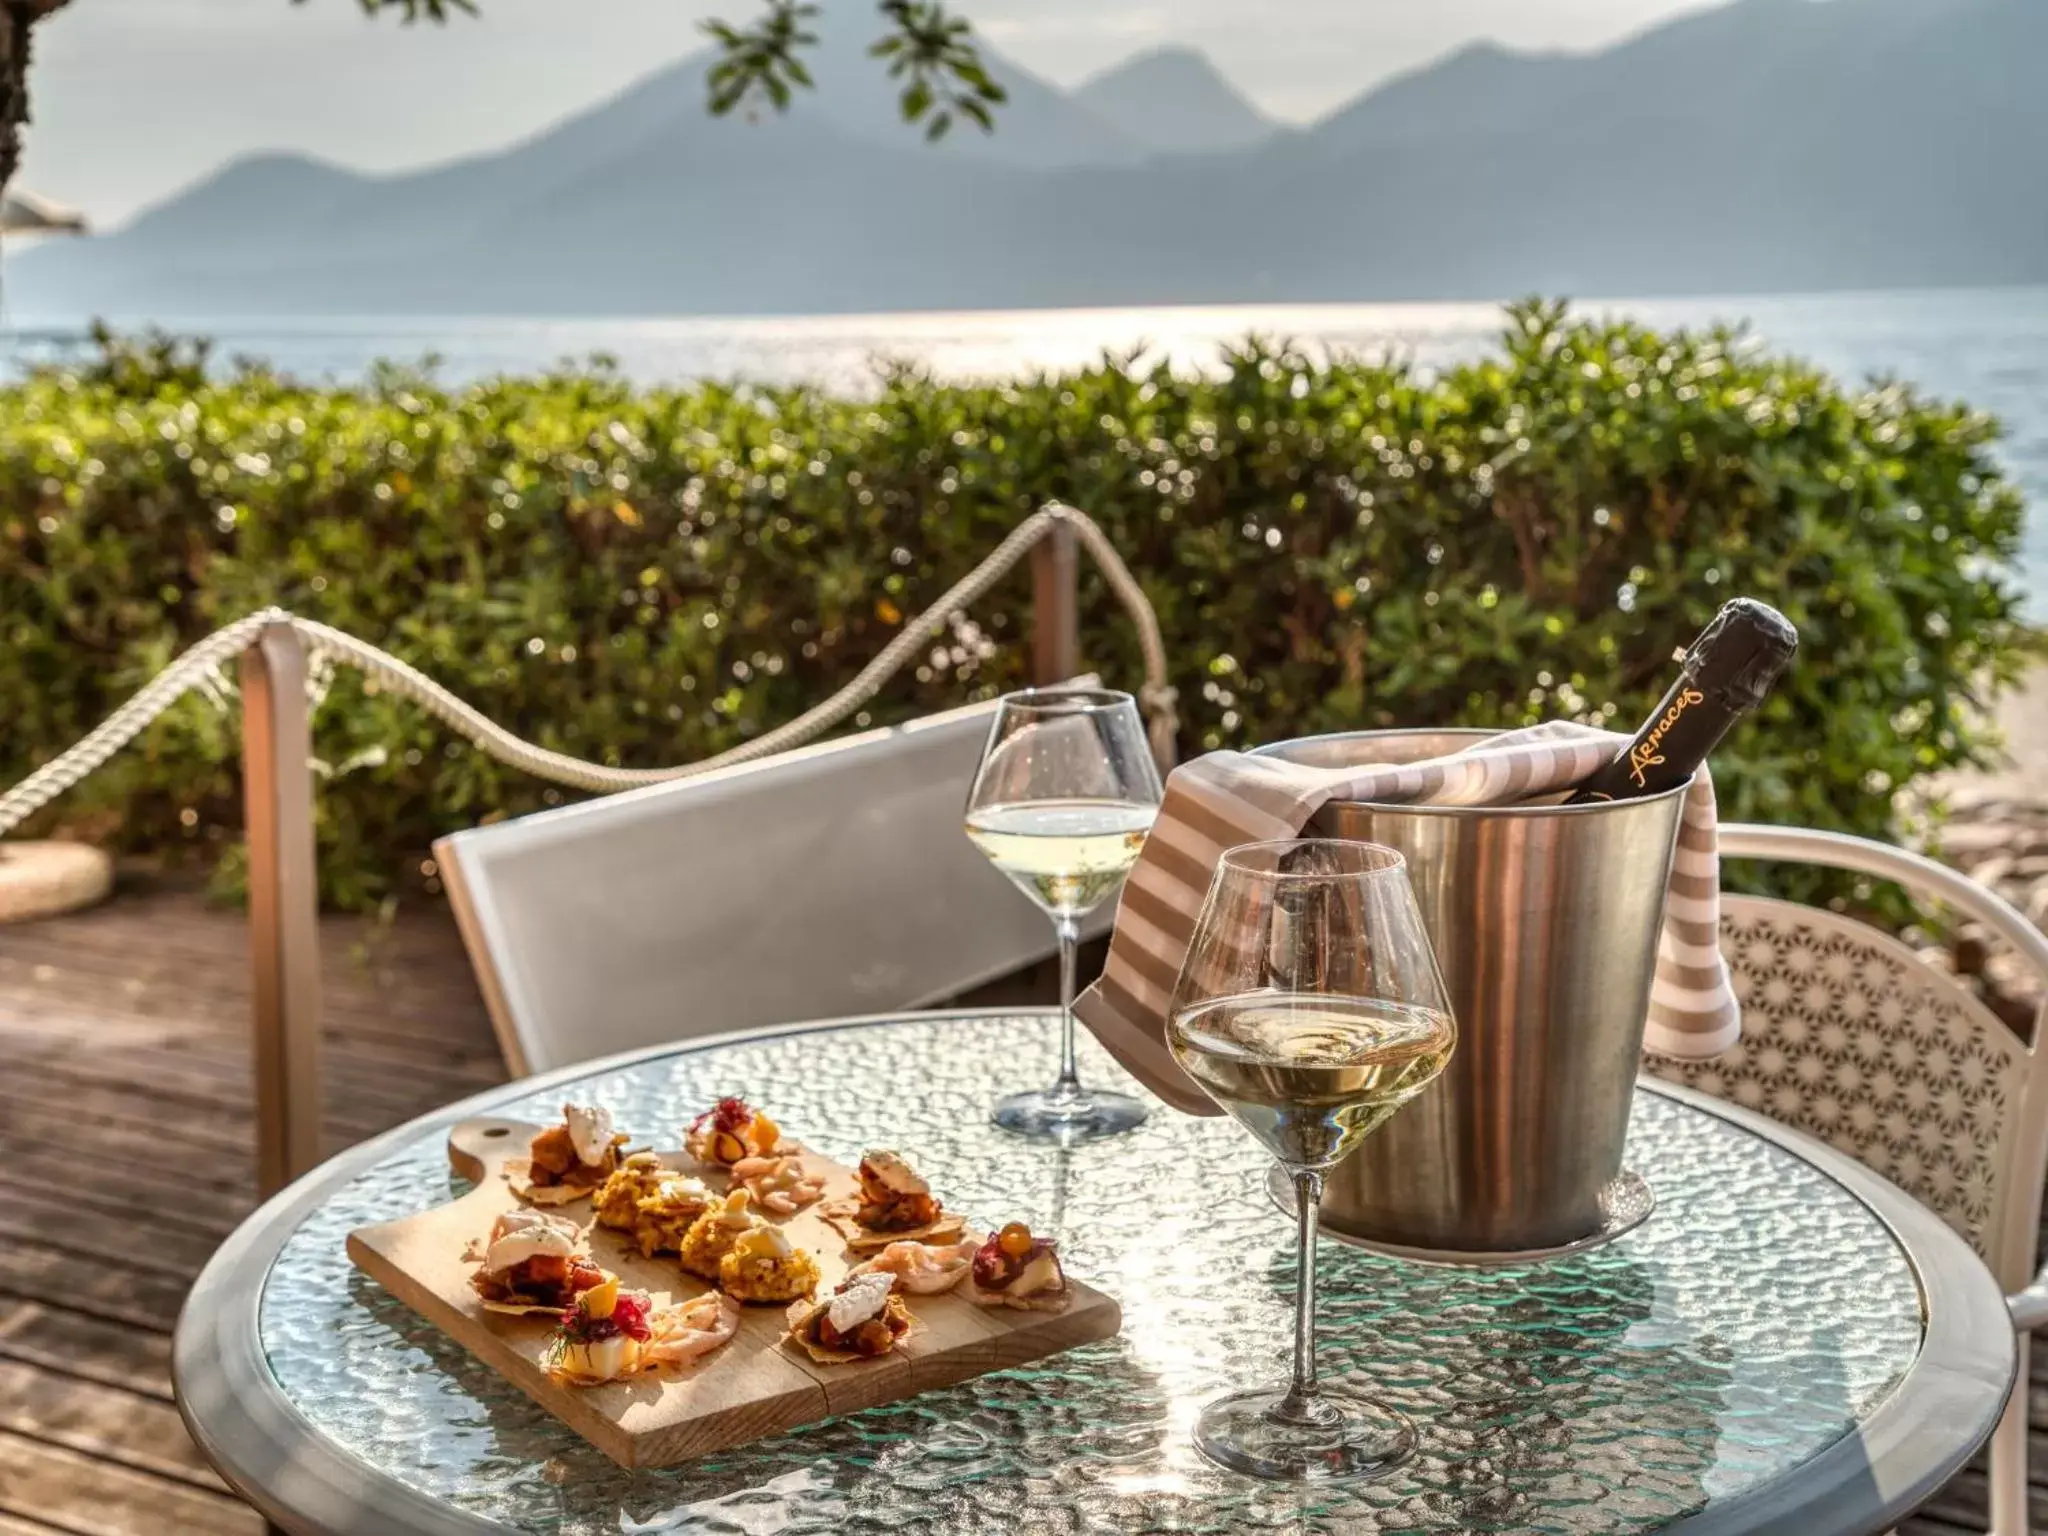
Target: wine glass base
pixel 1343 1440
pixel 1045 1114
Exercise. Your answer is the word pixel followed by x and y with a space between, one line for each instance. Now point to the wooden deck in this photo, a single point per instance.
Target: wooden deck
pixel 125 1125
pixel 125 1086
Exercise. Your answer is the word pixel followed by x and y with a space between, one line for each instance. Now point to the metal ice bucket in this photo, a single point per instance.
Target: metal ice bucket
pixel 1545 921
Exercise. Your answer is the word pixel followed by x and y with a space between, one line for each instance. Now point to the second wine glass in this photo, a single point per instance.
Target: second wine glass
pixel 1311 1008
pixel 1061 803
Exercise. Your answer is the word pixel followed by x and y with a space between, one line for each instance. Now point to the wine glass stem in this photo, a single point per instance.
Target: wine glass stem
pixel 1301 1403
pixel 1069 1085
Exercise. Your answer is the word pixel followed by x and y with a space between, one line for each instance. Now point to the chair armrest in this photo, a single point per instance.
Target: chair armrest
pixel 1918 873
pixel 2029 1307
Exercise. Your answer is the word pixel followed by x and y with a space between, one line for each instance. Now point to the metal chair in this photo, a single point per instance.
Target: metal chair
pixel 1851 1037
pixel 830 880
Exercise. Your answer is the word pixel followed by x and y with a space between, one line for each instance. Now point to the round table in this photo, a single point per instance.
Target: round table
pixel 1788 1344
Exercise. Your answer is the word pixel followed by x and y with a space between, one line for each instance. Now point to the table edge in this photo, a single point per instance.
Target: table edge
pixel 270 1453
pixel 1897 1459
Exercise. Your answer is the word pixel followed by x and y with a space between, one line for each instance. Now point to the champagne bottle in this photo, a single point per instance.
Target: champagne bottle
pixel 1729 669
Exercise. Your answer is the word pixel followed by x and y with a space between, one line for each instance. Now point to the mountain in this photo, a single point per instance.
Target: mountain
pixel 1174 101
pixel 1770 144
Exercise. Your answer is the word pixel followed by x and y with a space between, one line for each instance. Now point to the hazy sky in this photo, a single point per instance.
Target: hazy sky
pixel 134 98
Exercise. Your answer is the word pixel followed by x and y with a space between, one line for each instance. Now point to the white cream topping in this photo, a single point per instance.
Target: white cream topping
pixel 590 1131
pixel 521 1235
pixel 1041 1274
pixel 862 1297
pixel 734 1213
pixel 766 1243
pixel 681 1189
pixel 894 1173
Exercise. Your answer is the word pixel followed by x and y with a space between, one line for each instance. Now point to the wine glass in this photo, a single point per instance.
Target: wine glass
pixel 1061 803
pixel 1310 1007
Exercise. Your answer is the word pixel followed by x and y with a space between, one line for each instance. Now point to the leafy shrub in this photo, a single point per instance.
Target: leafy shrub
pixel 646 577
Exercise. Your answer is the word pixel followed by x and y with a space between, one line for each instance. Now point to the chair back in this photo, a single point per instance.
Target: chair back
pixel 830 880
pixel 1850 1036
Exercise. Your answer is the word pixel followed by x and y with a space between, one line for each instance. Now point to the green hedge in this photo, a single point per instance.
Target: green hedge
pixel 647 576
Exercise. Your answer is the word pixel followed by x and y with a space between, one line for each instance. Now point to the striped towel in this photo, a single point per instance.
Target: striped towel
pixel 1226 798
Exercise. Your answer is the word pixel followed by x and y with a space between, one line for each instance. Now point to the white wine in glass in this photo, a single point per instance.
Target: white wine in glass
pixel 1061 803
pixel 1311 1009
pixel 1312 1076
pixel 1069 856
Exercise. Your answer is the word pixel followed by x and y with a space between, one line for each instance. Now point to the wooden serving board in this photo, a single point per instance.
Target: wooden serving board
pixel 751 1387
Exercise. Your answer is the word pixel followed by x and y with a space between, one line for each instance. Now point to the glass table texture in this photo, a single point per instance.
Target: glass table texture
pixel 1685 1373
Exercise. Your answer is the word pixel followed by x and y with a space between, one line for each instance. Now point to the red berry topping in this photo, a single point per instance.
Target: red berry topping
pixel 1000 1260
pixel 993 1268
pixel 629 1313
pixel 731 1114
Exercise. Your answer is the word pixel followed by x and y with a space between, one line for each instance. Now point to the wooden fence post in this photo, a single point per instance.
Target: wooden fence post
pixel 277 788
pixel 1055 607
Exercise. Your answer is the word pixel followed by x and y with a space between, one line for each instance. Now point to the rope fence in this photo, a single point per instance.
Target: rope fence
pixel 199 667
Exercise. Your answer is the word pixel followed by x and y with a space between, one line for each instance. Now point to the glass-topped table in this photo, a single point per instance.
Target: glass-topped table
pixel 1787 1344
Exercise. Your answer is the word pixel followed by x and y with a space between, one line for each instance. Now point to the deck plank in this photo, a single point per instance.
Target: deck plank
pixel 86 1172
pixel 104 1422
pixel 16 1525
pixel 45 1130
pixel 135 1238
pixel 76 1492
pixel 73 1344
pixel 96 1285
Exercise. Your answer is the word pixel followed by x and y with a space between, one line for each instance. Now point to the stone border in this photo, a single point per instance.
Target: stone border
pixel 44 879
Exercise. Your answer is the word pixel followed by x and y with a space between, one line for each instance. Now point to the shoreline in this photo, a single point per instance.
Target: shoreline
pixel 2022 717
pixel 1997 834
